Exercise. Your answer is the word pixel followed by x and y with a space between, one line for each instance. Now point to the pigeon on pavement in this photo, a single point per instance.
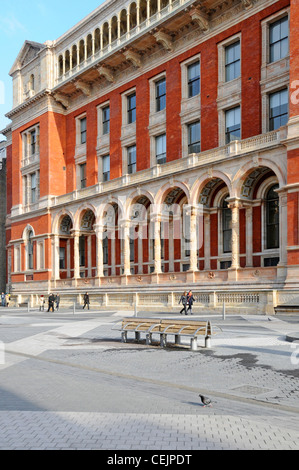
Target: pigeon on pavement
pixel 205 400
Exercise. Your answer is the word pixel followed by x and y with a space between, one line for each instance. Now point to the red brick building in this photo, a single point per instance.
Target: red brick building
pixel 153 148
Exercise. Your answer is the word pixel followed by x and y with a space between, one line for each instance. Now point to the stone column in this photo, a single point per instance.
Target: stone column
pixel 126 247
pixel 207 250
pixel 249 240
pixel 193 239
pixel 283 233
pixel 68 257
pixel 234 205
pixel 76 235
pixel 99 251
pixel 55 258
pixel 157 244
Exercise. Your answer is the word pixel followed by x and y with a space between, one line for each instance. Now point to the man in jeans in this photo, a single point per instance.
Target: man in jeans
pixel 86 300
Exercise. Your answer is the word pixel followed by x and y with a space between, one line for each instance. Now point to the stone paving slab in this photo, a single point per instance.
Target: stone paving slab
pixel 69 383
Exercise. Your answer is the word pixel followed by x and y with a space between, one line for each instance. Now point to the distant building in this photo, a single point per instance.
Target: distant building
pixel 155 148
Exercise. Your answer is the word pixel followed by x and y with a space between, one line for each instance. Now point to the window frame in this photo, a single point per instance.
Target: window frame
pixel 234 128
pixel 131 111
pixel 163 135
pixel 234 62
pixel 190 144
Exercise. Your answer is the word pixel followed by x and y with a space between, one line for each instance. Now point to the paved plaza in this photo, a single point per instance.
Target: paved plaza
pixel 68 382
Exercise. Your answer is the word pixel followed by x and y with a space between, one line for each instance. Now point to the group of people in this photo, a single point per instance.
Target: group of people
pixel 53 301
pixel 5 298
pixel 187 300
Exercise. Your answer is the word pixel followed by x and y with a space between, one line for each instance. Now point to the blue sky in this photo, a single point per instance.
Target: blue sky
pixel 39 21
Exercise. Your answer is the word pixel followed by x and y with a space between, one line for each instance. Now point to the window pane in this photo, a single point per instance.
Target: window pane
pixel 161 95
pixel 106 167
pixel 194 137
pixel 194 79
pixel 278 112
pixel 83 130
pixel 106 120
pixel 278 39
pixel 232 61
pixel 131 108
pixel 161 149
pixel 233 124
pixel 132 159
pixel 83 175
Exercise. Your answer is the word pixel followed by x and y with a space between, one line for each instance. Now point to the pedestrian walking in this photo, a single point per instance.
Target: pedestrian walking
pixel 190 301
pixel 3 299
pixel 7 299
pixel 57 301
pixel 41 303
pixel 86 300
pixel 183 300
pixel 51 302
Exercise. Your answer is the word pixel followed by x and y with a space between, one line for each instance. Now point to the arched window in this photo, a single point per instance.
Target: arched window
pixel 60 66
pixel 31 82
pixel 30 250
pixel 226 227
pixel 272 218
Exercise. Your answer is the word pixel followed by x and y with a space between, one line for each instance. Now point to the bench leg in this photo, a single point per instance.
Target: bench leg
pixel 163 341
pixel 148 339
pixel 208 342
pixel 137 335
pixel 124 336
pixel 177 339
pixel 194 344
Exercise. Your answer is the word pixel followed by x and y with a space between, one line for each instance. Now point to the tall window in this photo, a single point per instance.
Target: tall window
pixel 33 188
pixel 278 113
pixel 131 159
pixel 61 258
pixel 226 227
pixel 161 149
pixel 30 250
pixel 160 95
pixel 106 119
pixel 82 169
pixel 232 61
pixel 194 137
pixel 82 250
pixel 131 100
pixel 32 142
pixel 272 218
pixel 106 167
pixel 194 79
pixel 83 130
pixel 105 248
pixel 279 39
pixel 232 124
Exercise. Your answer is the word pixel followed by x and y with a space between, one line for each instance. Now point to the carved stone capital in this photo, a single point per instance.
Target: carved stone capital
pixel 247 4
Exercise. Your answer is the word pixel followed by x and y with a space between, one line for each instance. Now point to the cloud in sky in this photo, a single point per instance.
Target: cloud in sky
pixel 10 25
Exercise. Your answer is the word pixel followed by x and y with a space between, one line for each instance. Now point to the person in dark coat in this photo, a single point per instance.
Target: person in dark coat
pixel 57 301
pixel 51 300
pixel 86 300
pixel 190 301
pixel 183 300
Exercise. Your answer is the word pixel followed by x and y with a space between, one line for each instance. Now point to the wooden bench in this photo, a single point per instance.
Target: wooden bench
pixel 177 328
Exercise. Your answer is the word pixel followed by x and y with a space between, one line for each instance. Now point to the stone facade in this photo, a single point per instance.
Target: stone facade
pixel 154 149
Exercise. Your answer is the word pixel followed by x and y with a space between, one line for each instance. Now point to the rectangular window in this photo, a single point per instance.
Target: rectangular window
pixel 106 119
pixel 83 130
pixel 194 79
pixel 160 95
pixel 131 100
pixel 194 137
pixel 33 188
pixel 161 149
pixel 106 167
pixel 61 258
pixel 278 112
pixel 232 61
pixel 131 159
pixel 32 142
pixel 233 124
pixel 82 169
pixel 279 39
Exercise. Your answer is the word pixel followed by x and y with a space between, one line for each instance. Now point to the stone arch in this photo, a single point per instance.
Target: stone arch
pixel 133 15
pixel 58 218
pixel 105 34
pixel 80 212
pixel 123 22
pixel 168 188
